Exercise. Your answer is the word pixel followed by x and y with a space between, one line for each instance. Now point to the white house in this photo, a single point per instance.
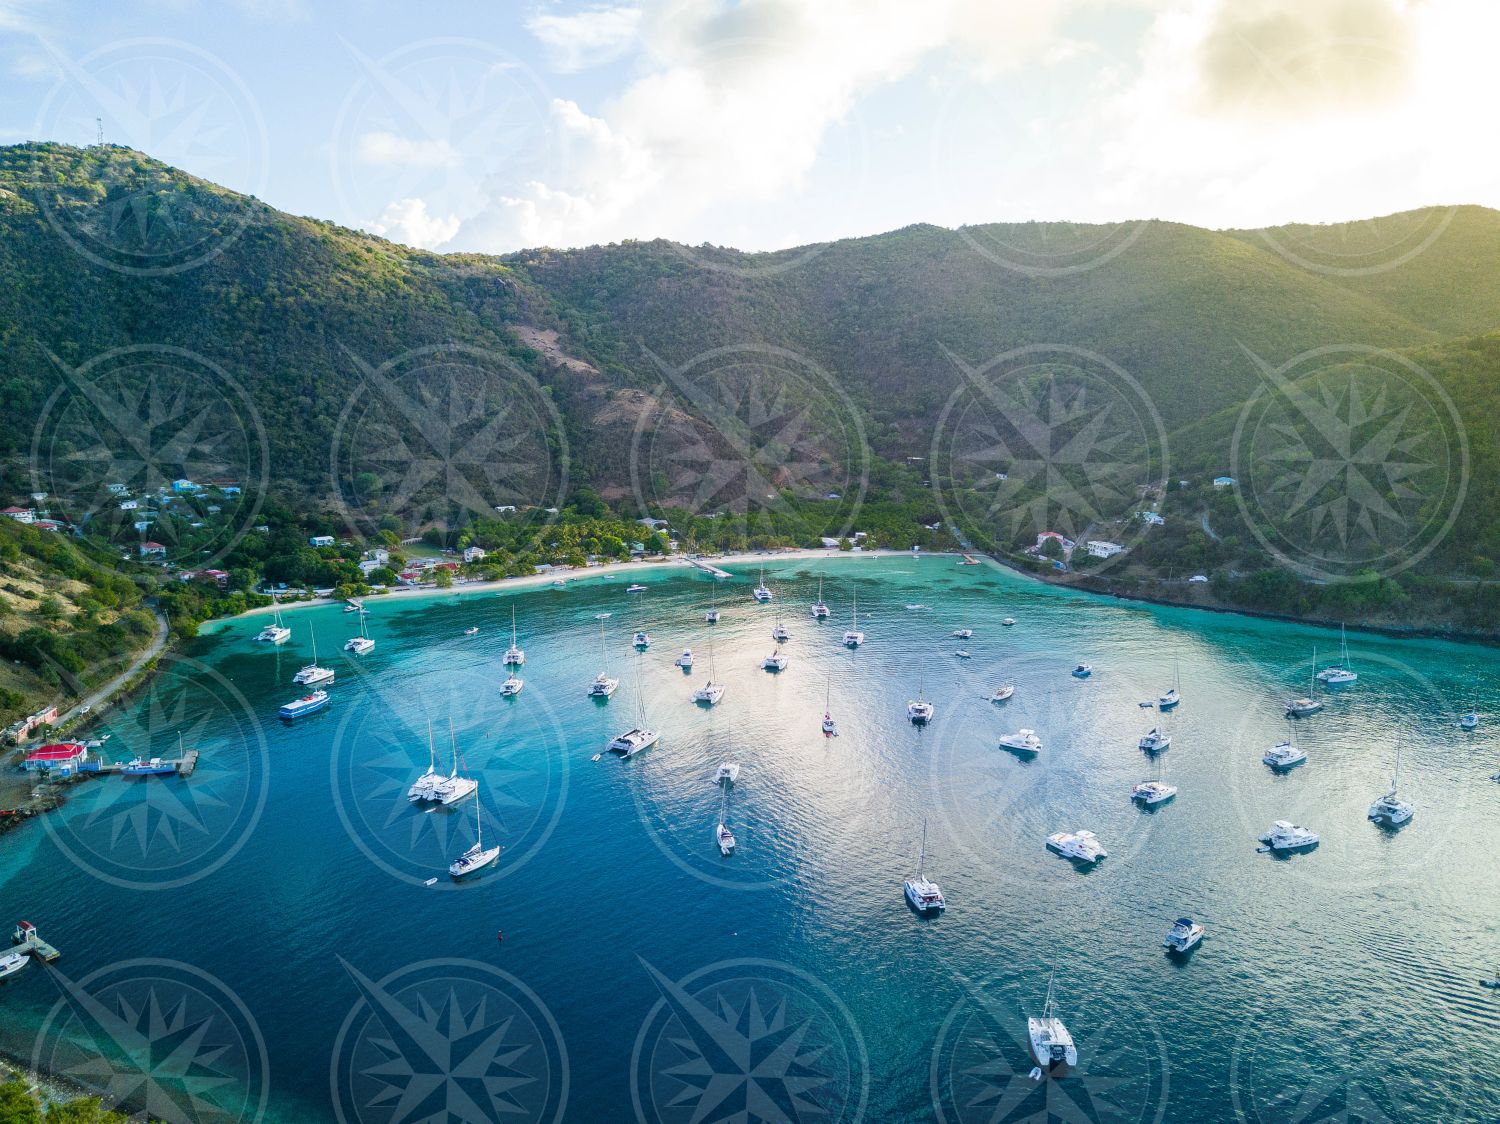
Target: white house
pixel 1104 549
pixel 1198 579
pixel 505 508
pixel 1223 481
pixel 129 505
pixel 1152 518
pixel 320 540
pixel 20 514
pixel 116 489
pixel 830 544
pixel 149 549
pixel 473 554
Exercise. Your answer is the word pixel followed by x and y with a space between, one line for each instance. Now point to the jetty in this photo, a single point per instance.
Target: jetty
pixel 25 937
pixel 706 568
pixel 183 765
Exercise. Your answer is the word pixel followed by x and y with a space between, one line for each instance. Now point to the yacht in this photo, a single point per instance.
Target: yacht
pixel 1301 708
pixel 422 788
pixel 1469 721
pixel 641 640
pixel 12 961
pixel 1155 741
pixel 1284 755
pixel 640 737
pixel 637 588
pixel 1003 692
pixel 854 637
pixel 1340 672
pixel 1152 793
pixel 1183 936
pixel 514 656
pixel 307 704
pixel 728 773
pixel 780 634
pixel 603 686
pixel 1022 741
pixel 924 894
pixel 1173 695
pixel 761 593
pixel 712 616
pixel 312 673
pixel 1083 671
pixel 1080 846
pixel 830 727
pixel 963 633
pixel 476 858
pixel 711 692
pixel 820 608
pixel 725 838
pixel 1051 1044
pixel 362 643
pixel 512 685
pixel 275 632
pixel 155 767
pixel 1390 810
pixel 454 788
pixel 919 710
pixel 685 661
pixel 1287 836
pixel 775 661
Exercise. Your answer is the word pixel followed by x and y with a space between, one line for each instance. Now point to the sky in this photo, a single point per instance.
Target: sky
pixel 494 125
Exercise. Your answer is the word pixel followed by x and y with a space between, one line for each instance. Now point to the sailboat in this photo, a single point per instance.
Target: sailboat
pixel 1051 1044
pixel 514 656
pixel 1285 755
pixel 455 788
pixel 711 692
pixel 761 592
pixel 712 616
pixel 275 632
pixel 779 633
pixel 1301 708
pixel 854 637
pixel 362 643
pixel 1390 810
pixel 924 894
pixel 1173 695
pixel 820 608
pixel 512 685
pixel 602 686
pixel 476 858
pixel 830 727
pixel 423 787
pixel 1340 672
pixel 640 737
pixel 722 835
pixel 312 673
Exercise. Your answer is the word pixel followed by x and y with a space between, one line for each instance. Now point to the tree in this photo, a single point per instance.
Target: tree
pixel 17 1105
pixel 443 579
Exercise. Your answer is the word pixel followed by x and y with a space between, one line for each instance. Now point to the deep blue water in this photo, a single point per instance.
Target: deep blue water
pixel 258 939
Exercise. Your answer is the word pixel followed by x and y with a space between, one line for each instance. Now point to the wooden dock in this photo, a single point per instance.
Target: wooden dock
pixel 26 939
pixel 183 765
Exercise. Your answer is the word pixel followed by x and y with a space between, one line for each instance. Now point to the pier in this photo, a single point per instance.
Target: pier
pixel 25 938
pixel 183 765
pixel 714 570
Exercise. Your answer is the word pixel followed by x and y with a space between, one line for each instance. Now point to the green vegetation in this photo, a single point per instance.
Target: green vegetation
pixel 18 1106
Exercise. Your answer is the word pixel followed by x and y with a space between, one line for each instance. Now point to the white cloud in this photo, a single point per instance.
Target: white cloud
pixel 587 38
pixel 389 150
pixel 408 222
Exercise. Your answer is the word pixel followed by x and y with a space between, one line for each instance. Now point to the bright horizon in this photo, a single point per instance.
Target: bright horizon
pixel 767 124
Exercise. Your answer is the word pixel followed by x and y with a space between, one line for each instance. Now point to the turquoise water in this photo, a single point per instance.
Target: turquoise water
pixel 258 942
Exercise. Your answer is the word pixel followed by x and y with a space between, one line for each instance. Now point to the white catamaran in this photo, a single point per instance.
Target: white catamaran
pixel 275 632
pixel 640 737
pixel 312 673
pixel 1341 672
pixel 514 656
pixel 1051 1044
pixel 602 686
pixel 711 692
pixel 476 858
pixel 362 643
pixel 1301 708
pixel 854 637
pixel 924 894
pixel 820 607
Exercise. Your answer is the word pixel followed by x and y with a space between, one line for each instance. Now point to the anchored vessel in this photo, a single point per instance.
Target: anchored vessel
pixel 514 656
pixel 1287 836
pixel 1183 936
pixel 275 632
pixel 476 858
pixel 362 643
pixel 640 737
pixel 1340 672
pixel 1301 708
pixel 1390 810
pixel 1155 741
pixel 820 608
pixel 924 894
pixel 1080 846
pixel 853 638
pixel 307 704
pixel 1051 1044
pixel 1152 793
pixel 1022 741
pixel 312 673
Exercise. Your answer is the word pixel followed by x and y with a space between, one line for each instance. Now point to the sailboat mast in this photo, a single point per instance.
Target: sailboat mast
pixel 922 857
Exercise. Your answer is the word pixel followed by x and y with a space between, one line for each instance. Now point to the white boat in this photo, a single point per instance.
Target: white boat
pixel 640 737
pixel 1183 936
pixel 725 839
pixel 1284 755
pixel 312 673
pixel 362 643
pixel 964 654
pixel 455 788
pixel 558 583
pixel 307 704
pixel 1152 793
pixel 1469 721
pixel 924 894
pixel 602 686
pixel 820 608
pixel 353 606
pixel 472 630
pixel 1390 810
pixel 1301 708
pixel 1173 695
pixel 712 616
pixel 1155 741
pixel 641 640
pixel 711 692
pixel 1022 741
pixel 476 858
pixel 1008 621
pixel 728 773
pixel 1287 836
pixel 1083 671
pixel 1080 846
pixel 514 656
pixel 919 711
pixel 1051 1044
pixel 854 637
pixel 780 634
pixel 275 632
pixel 963 633
pixel 512 686
pixel 685 661
pixel 423 787
pixel 830 727
pixel 1003 692
pixel 761 592
pixel 1340 672
pixel 775 661
pixel 635 588
pixel 12 961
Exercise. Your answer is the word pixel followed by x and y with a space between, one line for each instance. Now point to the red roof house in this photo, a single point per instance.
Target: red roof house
pixel 63 757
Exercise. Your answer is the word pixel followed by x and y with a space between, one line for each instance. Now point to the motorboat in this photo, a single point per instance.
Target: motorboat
pixel 1390 810
pixel 311 673
pixel 853 638
pixel 514 656
pixel 775 661
pixel 476 858
pixel 685 661
pixel 1338 673
pixel 12 961
pixel 1083 671
pixel 1022 741
pixel 512 686
pixel 307 704
pixel 1051 1043
pixel 922 892
pixel 1284 755
pixel 472 630
pixel 1183 936
pixel 1152 793
pixel 725 839
pixel 1155 741
pixel 641 640
pixel 155 767
pixel 1080 846
pixel 1287 836
pixel 728 773
pixel 637 588
pixel 963 634
pixel 1003 692
pixel 820 608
